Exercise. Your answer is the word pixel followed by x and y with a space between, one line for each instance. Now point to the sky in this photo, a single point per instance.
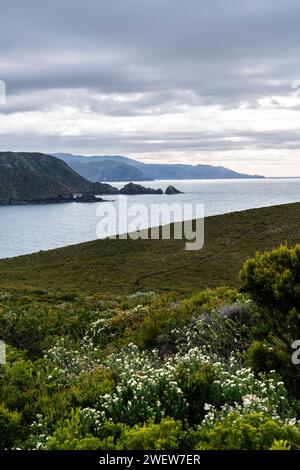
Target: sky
pixel 172 81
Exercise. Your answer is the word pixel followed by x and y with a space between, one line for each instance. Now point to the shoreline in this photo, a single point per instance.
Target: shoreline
pixel 206 218
pixel 51 201
pixel 124 266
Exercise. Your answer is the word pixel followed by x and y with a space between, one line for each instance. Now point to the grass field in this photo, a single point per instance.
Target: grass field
pixel 125 266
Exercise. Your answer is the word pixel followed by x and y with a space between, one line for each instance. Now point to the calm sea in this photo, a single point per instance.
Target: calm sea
pixel 28 229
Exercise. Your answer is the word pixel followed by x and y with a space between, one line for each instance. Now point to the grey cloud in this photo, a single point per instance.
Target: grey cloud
pixel 172 52
pixel 134 45
pixel 140 143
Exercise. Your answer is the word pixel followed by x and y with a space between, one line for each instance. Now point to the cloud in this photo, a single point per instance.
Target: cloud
pixel 174 79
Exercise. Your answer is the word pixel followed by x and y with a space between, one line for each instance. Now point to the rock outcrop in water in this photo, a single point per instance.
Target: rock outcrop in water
pixel 171 190
pixel 136 189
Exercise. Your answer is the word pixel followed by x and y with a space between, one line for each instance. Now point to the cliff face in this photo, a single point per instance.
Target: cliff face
pixel 34 177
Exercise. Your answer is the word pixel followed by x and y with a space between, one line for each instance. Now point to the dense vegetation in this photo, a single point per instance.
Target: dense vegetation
pixel 211 370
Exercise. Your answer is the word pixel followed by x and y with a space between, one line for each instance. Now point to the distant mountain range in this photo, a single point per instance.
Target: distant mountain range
pixel 38 178
pixel 119 168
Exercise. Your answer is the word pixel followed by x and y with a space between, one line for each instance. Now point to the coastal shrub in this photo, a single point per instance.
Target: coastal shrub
pixel 55 404
pixel 146 388
pixel 222 330
pixel 274 278
pixel 10 427
pixel 139 298
pixel 70 435
pixel 233 382
pixel 156 327
pixel 91 385
pixel 74 432
pixel 65 437
pixel 206 300
pixel 263 357
pixel 199 388
pixel 24 328
pixel 36 327
pixel 66 363
pixel 181 385
pixel 157 436
pixel 280 445
pixel 126 323
pixel 20 382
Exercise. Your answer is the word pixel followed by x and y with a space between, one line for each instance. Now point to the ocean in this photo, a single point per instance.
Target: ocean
pixel 28 229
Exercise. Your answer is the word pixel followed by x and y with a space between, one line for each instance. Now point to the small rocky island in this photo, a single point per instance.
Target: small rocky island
pixel 86 197
pixel 171 190
pixel 135 189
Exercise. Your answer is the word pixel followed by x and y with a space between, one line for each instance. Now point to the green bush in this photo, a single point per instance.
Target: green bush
pixel 274 277
pixel 139 298
pixel 35 327
pixel 206 300
pixel 165 317
pixel 162 436
pixel 263 357
pixel 90 386
pixel 199 388
pixel 149 436
pixel 20 383
pixel 251 432
pixel 10 427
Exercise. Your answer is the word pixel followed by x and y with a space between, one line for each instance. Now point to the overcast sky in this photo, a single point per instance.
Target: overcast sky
pixel 193 81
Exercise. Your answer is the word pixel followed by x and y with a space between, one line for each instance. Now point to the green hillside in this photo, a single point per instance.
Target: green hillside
pixel 124 266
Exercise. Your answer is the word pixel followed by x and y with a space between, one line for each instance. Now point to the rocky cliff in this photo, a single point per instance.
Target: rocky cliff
pixel 36 177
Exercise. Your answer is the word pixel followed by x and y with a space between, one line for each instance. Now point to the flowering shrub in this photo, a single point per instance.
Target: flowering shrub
pixel 66 364
pixel 223 335
pixel 147 371
pixel 97 332
pixel 140 298
pixel 146 388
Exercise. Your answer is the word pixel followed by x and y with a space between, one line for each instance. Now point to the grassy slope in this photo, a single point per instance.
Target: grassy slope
pixel 122 266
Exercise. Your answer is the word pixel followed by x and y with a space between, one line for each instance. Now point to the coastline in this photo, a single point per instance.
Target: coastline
pixel 158 264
